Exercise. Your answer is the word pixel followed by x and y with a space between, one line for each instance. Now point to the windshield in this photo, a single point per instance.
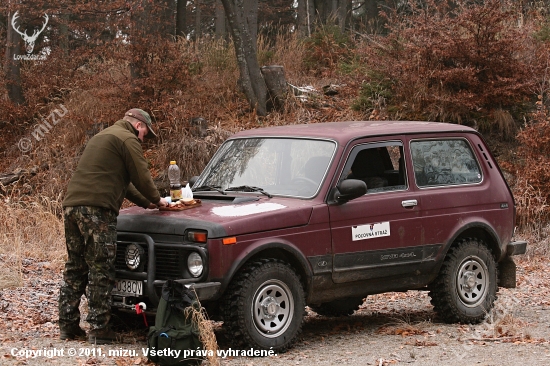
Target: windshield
pixel 279 166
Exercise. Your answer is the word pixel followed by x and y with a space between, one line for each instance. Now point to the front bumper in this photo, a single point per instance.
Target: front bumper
pixel 148 275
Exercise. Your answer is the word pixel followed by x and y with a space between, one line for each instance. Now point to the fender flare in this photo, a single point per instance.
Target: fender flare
pixel 475 225
pixel 265 245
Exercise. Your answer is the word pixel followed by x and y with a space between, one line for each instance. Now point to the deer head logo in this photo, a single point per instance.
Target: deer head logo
pixel 29 40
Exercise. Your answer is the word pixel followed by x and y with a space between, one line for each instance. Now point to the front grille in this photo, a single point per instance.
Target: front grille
pixel 171 261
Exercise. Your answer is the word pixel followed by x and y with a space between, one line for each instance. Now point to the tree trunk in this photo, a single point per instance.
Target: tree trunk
pixel 181 18
pixel 371 15
pixel 311 16
pixel 252 81
pixel 344 14
pixel 220 20
pixel 275 81
pixel 12 66
pixel 302 19
pixel 251 11
pixel 322 10
pixel 64 33
pixel 198 19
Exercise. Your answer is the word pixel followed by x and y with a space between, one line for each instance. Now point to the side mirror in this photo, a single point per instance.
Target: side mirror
pixel 193 180
pixel 349 189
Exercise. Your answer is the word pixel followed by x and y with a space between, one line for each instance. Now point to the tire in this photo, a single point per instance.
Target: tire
pixel 342 307
pixel 465 289
pixel 264 306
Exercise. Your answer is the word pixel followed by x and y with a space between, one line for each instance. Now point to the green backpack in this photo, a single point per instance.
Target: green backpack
pixel 174 339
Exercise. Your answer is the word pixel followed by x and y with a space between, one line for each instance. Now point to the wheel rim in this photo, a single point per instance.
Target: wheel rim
pixel 472 281
pixel 272 308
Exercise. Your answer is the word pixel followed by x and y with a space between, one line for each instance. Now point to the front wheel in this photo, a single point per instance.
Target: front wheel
pixel 465 289
pixel 264 305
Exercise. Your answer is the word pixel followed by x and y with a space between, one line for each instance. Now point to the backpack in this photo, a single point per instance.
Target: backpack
pixel 174 339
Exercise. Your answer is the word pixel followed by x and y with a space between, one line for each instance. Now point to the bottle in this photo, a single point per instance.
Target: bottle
pixel 175 185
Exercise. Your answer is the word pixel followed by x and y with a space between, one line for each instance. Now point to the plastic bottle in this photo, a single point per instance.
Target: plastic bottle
pixel 175 184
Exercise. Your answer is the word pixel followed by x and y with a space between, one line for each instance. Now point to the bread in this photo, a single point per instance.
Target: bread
pixel 187 201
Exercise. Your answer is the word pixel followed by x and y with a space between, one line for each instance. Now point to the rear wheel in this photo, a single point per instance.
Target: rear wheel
pixel 465 289
pixel 264 305
pixel 340 307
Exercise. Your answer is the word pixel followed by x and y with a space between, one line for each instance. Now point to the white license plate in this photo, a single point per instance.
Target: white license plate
pixel 128 288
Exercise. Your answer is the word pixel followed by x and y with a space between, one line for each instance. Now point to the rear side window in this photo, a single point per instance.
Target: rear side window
pixel 444 162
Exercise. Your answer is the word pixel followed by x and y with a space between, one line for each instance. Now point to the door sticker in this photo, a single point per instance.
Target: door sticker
pixel 370 231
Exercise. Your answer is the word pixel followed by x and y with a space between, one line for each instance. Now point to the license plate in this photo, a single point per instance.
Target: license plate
pixel 128 288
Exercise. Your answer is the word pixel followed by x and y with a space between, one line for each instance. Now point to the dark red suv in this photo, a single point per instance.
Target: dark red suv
pixel 325 215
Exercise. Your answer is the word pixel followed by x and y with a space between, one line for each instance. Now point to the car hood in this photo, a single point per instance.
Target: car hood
pixel 242 215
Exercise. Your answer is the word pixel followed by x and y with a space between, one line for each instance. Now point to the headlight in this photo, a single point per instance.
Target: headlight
pixel 194 264
pixel 132 256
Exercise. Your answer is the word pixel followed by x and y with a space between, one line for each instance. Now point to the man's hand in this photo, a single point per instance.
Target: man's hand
pixel 151 206
pixel 162 203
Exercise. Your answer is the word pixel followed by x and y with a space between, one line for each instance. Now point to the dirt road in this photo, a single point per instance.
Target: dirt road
pixel 389 329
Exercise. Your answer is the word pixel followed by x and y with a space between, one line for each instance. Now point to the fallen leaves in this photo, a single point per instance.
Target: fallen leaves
pixel 402 330
pixel 421 343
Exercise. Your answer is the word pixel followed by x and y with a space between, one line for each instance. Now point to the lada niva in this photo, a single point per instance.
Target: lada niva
pixel 324 215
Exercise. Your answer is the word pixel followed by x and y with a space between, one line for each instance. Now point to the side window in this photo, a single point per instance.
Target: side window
pixel 381 166
pixel 444 162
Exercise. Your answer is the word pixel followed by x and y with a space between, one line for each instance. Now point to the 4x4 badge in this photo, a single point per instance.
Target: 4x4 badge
pixel 322 263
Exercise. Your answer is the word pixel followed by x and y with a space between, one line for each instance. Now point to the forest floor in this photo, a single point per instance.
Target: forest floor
pixel 389 329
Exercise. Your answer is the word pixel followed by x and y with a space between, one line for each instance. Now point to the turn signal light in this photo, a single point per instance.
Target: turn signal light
pixel 197 236
pixel 229 241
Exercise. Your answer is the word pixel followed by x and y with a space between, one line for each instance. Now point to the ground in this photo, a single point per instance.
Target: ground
pixel 389 329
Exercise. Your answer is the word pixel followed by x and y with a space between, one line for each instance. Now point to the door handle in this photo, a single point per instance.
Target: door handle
pixel 409 203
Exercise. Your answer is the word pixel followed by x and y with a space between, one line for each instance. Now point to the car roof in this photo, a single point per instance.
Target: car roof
pixel 345 131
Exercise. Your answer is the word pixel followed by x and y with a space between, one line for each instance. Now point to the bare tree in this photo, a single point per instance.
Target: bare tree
pixel 251 11
pixel 303 20
pixel 198 15
pixel 252 81
pixel 343 12
pixel 181 18
pixel 13 65
pixel 220 20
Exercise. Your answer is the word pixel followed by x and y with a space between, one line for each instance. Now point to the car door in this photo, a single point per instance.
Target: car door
pixel 379 234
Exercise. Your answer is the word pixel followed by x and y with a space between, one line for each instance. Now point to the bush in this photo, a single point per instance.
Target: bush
pixel 532 189
pixel 459 64
pixel 326 48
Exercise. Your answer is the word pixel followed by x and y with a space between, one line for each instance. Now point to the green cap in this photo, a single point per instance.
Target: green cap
pixel 144 117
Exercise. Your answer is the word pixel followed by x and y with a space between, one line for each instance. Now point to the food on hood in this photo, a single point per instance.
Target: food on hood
pixel 183 202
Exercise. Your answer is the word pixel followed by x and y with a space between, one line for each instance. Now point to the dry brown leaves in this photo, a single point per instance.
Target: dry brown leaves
pixel 404 330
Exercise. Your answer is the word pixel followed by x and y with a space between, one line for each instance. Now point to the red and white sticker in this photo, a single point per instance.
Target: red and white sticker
pixel 370 231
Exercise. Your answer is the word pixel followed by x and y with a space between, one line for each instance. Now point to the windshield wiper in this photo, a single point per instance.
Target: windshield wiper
pixel 208 188
pixel 249 189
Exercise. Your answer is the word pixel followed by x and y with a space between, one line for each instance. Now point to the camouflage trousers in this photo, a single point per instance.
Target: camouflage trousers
pixel 90 234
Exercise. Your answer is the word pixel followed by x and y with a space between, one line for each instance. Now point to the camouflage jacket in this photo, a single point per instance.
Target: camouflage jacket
pixel 111 168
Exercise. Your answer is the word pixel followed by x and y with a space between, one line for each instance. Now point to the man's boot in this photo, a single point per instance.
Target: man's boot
pixel 72 332
pixel 102 336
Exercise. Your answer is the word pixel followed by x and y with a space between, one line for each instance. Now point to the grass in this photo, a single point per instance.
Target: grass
pixel 29 229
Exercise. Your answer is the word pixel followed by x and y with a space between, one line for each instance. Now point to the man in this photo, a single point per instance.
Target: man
pixel 112 167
